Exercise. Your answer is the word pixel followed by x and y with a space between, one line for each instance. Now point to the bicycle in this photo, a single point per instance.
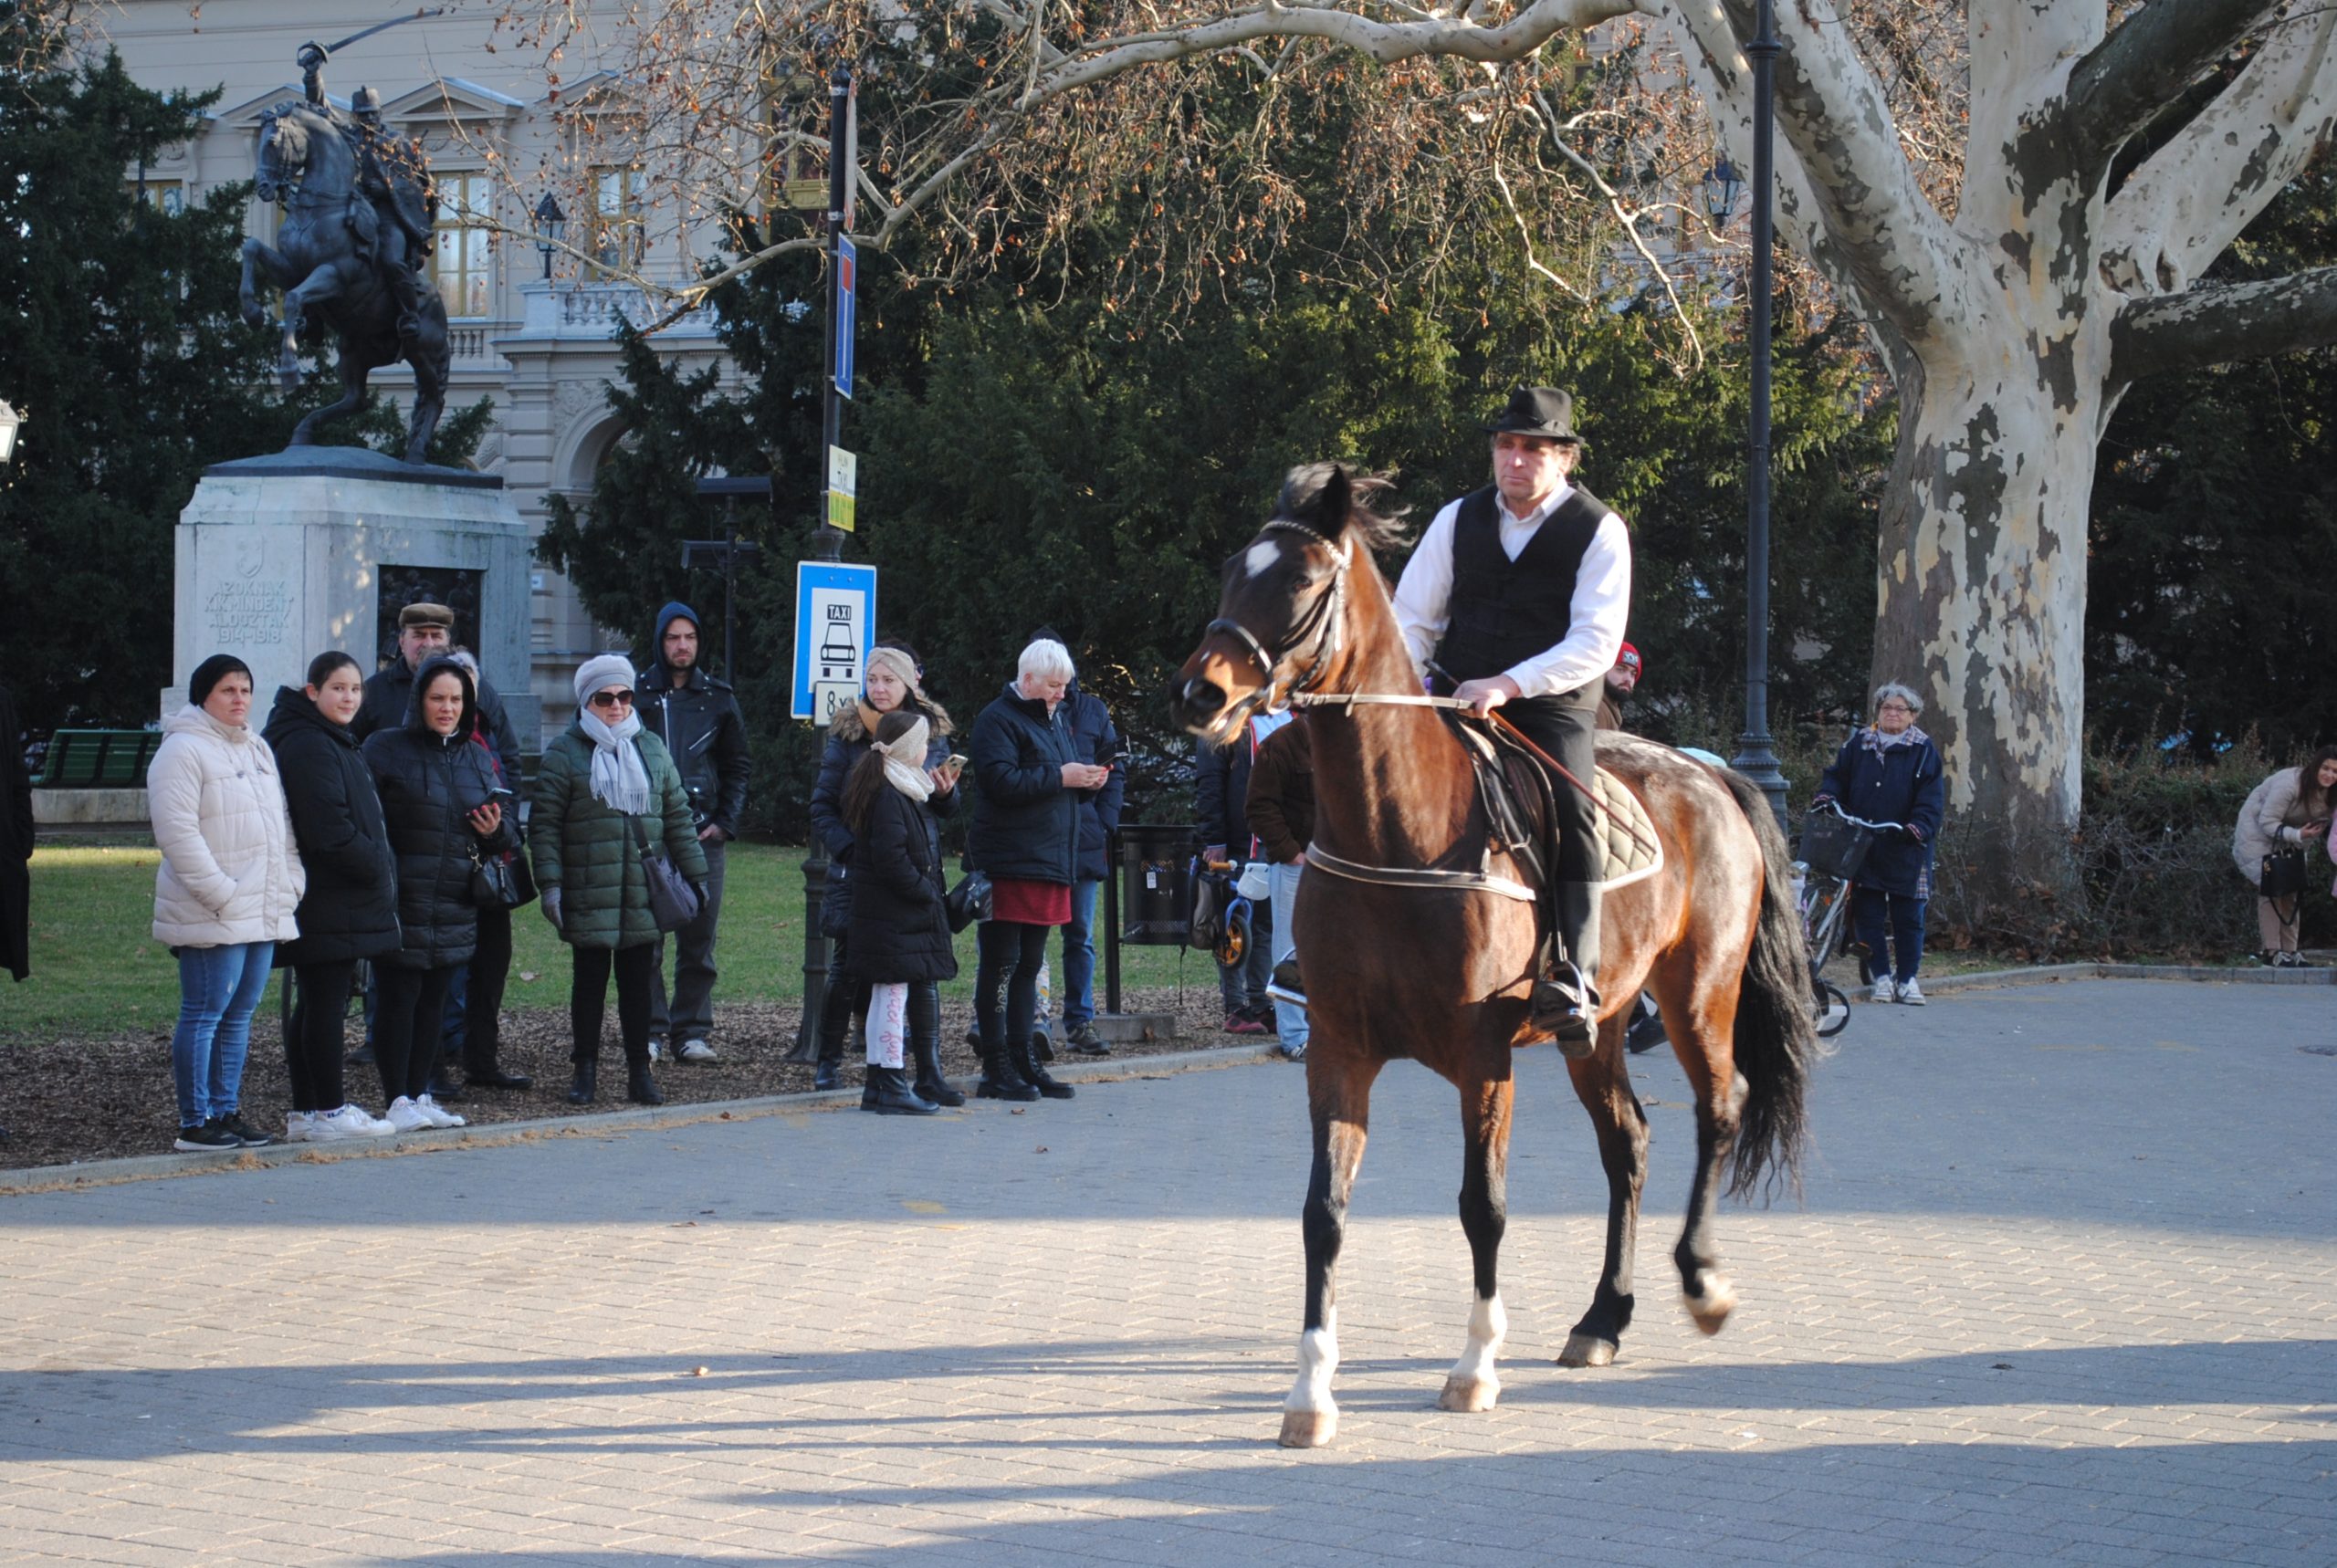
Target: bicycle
pixel 1834 846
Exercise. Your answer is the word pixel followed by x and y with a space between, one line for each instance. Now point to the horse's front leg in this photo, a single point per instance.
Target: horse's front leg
pixel 1603 1085
pixel 323 284
pixel 256 255
pixel 1706 1050
pixel 1338 1092
pixel 1485 1103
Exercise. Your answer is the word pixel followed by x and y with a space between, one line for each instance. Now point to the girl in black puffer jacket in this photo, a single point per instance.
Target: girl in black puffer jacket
pixel 349 911
pixel 899 944
pixel 438 796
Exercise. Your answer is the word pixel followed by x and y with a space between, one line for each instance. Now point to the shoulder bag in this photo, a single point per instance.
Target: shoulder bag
pixel 2283 873
pixel 672 901
pixel 968 901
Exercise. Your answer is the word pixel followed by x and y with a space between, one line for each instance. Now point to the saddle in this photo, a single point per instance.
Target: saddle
pixel 1517 790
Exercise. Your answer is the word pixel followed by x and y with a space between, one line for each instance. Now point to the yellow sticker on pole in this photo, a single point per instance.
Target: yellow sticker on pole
pixel 843 487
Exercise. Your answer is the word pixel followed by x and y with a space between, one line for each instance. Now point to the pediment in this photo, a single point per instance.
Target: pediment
pixel 452 98
pixel 602 93
pixel 245 115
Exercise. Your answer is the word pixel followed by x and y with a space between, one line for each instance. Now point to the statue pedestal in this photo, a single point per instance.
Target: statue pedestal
pixel 283 556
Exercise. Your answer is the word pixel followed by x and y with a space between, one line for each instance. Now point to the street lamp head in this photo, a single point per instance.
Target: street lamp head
pixel 552 224
pixel 10 422
pixel 1721 187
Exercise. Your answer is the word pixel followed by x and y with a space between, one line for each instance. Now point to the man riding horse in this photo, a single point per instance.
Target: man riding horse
pixel 400 206
pixel 1518 595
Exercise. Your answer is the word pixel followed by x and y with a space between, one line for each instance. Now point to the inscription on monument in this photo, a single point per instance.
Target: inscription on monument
pixel 249 615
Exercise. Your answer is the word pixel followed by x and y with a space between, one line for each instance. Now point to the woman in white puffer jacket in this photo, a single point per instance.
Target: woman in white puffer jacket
pixel 230 882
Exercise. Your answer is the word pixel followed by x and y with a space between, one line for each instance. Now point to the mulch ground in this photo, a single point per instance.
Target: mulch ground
pixel 100 1099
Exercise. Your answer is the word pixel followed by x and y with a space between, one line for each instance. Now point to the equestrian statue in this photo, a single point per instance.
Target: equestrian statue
pixel 358 207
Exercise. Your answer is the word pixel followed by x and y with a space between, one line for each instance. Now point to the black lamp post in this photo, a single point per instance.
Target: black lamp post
pixel 552 224
pixel 1723 186
pixel 1757 756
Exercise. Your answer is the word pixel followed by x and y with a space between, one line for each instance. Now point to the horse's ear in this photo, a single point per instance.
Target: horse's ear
pixel 1335 507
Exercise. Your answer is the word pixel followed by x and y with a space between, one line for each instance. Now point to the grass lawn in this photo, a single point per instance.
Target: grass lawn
pixel 97 968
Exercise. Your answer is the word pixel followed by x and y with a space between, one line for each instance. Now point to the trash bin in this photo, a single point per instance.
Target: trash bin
pixel 1156 902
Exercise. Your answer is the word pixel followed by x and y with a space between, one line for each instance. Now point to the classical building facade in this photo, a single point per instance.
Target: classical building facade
pixel 532 332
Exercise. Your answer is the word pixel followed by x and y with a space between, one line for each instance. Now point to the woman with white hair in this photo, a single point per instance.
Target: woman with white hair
pixel 1890 772
pixel 1026 840
pixel 607 794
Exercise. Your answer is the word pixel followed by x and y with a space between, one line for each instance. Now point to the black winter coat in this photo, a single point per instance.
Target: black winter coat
pixel 350 910
pixel 1026 824
pixel 700 723
pixel 900 927
pixel 1905 783
pixel 848 742
pixel 1095 738
pixel 430 784
pixel 1222 793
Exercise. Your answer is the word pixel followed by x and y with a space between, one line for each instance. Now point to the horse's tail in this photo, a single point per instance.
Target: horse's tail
pixel 1776 1037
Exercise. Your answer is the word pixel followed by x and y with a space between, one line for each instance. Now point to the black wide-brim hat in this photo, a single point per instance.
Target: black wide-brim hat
pixel 1544 412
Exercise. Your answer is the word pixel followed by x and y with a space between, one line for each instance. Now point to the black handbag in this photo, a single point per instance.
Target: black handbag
pixel 968 901
pixel 494 884
pixel 672 901
pixel 2283 874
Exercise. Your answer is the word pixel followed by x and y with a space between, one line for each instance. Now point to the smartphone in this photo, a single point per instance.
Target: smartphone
pixel 955 762
pixel 500 796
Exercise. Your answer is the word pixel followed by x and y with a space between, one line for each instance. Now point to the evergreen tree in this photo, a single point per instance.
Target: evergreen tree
pixel 127 360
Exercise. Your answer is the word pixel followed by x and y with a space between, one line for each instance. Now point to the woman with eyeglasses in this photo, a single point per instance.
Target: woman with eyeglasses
pixel 608 791
pixel 1890 772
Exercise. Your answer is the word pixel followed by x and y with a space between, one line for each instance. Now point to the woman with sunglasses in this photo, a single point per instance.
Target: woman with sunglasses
pixel 607 791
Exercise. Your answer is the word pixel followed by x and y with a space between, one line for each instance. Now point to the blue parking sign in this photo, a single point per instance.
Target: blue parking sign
pixel 835 628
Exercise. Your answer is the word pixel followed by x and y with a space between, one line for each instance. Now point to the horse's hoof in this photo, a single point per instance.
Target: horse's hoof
pixel 1587 1350
pixel 1710 1311
pixel 1308 1428
pixel 1469 1394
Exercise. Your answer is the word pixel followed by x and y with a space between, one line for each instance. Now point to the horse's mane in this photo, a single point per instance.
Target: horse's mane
pixel 1303 501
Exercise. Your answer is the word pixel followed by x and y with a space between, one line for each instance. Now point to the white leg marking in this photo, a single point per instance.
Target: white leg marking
pixel 1318 1358
pixel 1262 556
pixel 1474 1385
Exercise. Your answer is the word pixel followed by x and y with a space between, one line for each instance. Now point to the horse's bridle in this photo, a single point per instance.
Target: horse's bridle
pixel 1321 626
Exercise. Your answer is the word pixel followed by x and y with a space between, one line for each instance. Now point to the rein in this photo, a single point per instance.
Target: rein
pixel 1321 626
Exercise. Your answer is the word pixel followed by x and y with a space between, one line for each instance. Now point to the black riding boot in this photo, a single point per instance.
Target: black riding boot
pixel 835 1029
pixel 1567 1003
pixel 586 1082
pixel 639 1086
pixel 1026 1063
pixel 925 1045
pixel 886 1092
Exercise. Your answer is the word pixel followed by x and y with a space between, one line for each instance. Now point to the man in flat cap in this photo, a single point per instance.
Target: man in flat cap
pixel 425 630
pixel 1519 594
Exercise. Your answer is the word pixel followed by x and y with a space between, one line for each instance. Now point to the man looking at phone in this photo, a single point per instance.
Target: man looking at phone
pixel 697 717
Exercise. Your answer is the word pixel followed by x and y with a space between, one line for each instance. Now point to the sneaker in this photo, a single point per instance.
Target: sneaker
pixel 408 1117
pixel 301 1127
pixel 1082 1040
pixel 438 1115
pixel 1292 1053
pixel 2290 961
pixel 244 1132
pixel 346 1121
pixel 1242 1023
pixel 1911 993
pixel 1885 991
pixel 656 1048
pixel 210 1138
pixel 696 1051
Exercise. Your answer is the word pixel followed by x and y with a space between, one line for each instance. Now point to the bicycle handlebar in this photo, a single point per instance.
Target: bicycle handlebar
pixel 1879 827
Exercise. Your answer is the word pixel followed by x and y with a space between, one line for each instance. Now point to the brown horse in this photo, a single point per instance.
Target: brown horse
pixel 1440 973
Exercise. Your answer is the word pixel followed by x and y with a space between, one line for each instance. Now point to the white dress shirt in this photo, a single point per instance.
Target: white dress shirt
pixel 1599 611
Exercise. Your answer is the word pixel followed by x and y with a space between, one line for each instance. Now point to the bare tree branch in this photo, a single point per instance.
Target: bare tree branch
pixel 2220 325
pixel 2134 72
pixel 2186 204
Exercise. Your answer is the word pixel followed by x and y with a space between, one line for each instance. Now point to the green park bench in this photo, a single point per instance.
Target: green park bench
pixel 97 759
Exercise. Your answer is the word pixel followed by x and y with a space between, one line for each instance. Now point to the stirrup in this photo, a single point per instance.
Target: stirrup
pixel 1564 1010
pixel 1285 985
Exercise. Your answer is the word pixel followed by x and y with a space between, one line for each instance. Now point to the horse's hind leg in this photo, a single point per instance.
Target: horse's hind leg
pixel 1706 1050
pixel 1603 1085
pixel 1484 1215
pixel 1338 1091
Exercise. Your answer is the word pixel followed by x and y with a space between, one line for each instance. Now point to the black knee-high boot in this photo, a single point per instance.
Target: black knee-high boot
pixel 925 1046
pixel 835 1029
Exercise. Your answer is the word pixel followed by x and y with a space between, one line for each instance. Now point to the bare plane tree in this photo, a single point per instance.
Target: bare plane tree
pixel 1965 194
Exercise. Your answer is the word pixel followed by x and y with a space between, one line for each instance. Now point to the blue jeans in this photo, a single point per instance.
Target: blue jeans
pixel 219 989
pixel 1079 958
pixel 1869 908
pixel 1289 1022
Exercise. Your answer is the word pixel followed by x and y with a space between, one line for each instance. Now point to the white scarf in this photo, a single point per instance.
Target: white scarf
pixel 905 762
pixel 619 781
pixel 1878 742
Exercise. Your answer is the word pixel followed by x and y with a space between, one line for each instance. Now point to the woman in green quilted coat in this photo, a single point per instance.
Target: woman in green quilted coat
pixel 607 791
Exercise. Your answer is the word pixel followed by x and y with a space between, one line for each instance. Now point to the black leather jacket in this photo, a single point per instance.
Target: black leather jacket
pixel 700 723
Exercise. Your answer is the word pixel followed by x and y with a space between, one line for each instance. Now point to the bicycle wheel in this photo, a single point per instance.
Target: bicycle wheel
pixel 1833 1009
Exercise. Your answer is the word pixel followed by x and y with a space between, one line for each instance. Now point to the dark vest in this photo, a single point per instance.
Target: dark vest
pixel 1503 610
